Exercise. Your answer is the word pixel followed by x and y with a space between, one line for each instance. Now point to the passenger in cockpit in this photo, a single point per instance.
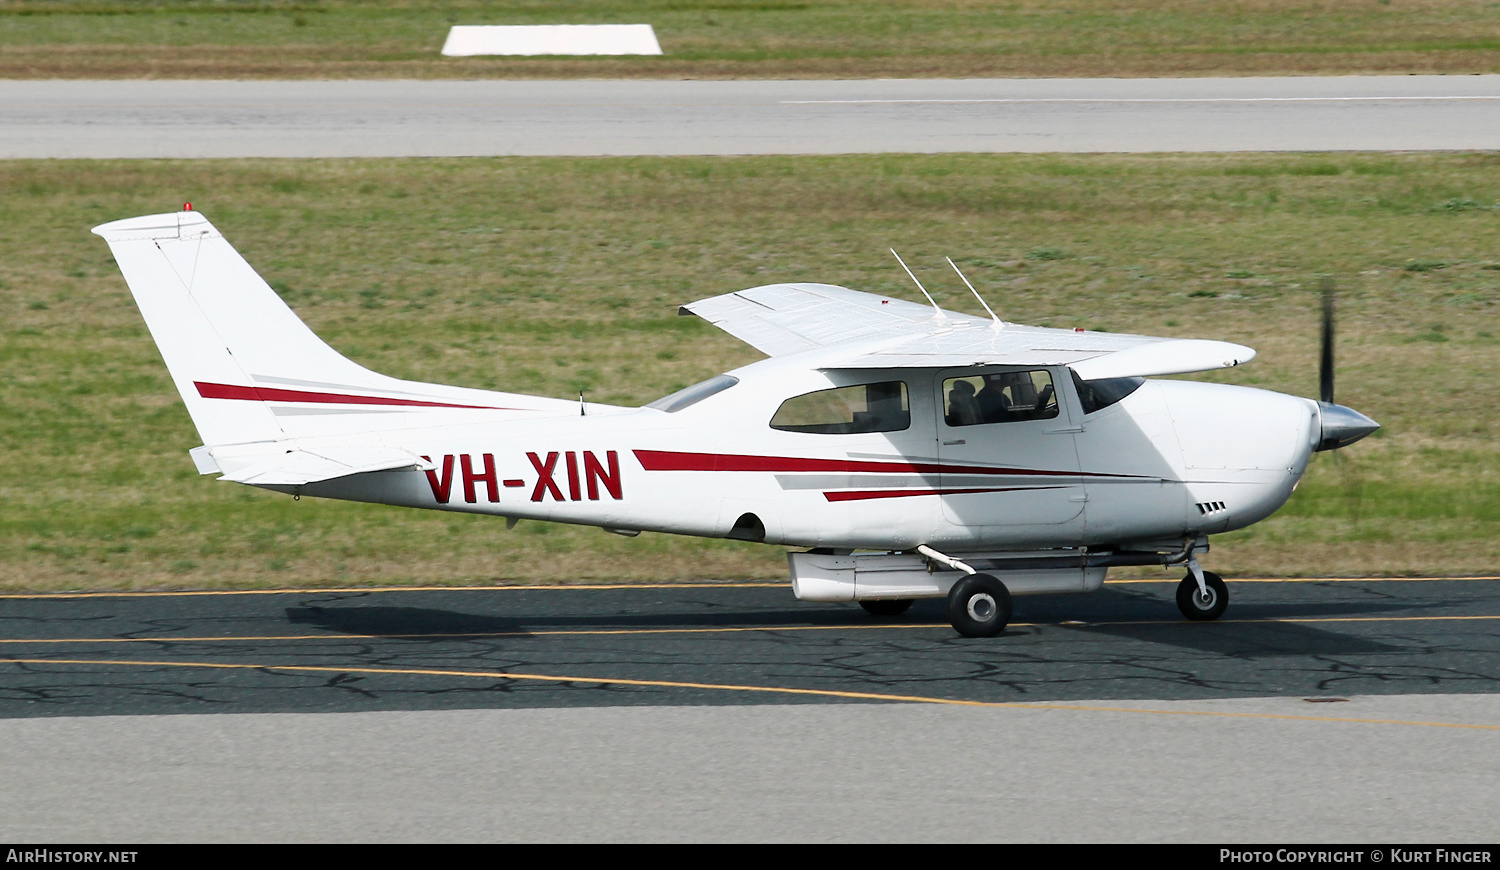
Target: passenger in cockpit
pixel 962 409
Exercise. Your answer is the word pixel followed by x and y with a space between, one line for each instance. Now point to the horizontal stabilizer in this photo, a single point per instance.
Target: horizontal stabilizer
pixel 298 467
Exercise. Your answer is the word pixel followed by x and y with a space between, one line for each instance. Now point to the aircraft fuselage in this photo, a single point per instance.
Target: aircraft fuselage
pixel 1170 459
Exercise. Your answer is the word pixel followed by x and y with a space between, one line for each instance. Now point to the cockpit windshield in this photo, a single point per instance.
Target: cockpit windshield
pixel 1100 394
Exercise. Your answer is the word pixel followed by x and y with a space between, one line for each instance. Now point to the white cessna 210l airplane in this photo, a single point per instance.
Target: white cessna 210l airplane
pixel 906 451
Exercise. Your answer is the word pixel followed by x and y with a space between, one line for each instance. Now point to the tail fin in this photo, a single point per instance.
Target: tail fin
pixel 208 313
pixel 226 335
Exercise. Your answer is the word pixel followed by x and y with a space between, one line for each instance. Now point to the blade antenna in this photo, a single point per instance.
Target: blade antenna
pixel 1325 368
pixel 999 324
pixel 940 315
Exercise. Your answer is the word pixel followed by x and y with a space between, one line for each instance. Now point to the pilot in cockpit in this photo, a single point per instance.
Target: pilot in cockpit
pixel 994 407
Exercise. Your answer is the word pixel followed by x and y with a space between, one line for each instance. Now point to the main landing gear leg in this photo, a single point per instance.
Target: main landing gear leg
pixel 978 604
pixel 1202 595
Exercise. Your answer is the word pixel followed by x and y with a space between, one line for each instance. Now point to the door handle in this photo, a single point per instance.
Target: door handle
pixel 951 443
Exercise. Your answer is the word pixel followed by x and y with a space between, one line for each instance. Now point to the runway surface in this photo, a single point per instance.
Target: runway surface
pixel 45 119
pixel 732 712
pixel 835 773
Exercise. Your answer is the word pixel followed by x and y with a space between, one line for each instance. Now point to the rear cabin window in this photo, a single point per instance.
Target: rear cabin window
pixel 999 397
pixel 879 407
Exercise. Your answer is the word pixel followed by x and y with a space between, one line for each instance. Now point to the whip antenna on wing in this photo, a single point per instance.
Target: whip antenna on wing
pixel 940 315
pixel 999 324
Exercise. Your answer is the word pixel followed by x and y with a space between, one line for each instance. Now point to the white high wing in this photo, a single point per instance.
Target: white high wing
pixel 905 451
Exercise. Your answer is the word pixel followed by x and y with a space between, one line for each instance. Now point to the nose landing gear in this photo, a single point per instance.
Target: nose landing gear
pixel 1202 603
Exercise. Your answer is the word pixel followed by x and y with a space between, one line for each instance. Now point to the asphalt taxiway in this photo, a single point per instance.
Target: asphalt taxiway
pixel 407 649
pixel 1317 710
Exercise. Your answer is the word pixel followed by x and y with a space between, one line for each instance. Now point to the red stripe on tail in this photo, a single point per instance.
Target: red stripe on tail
pixel 268 394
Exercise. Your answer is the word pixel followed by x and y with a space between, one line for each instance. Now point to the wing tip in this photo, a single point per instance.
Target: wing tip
pixel 168 225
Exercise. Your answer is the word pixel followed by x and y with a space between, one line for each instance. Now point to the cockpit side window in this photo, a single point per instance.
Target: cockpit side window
pixel 1100 394
pixel 999 397
pixel 693 395
pixel 881 407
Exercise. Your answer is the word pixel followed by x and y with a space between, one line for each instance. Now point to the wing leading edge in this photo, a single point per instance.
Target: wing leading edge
pixel 880 332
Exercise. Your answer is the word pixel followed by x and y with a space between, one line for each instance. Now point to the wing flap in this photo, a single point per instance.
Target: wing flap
pixel 781 319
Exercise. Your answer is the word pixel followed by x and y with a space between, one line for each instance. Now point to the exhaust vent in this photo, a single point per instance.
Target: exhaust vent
pixel 748 528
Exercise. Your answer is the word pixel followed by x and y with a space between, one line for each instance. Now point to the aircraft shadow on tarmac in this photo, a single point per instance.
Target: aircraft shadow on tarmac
pixel 419 623
pixel 1249 630
pixel 1248 640
pixel 1119 614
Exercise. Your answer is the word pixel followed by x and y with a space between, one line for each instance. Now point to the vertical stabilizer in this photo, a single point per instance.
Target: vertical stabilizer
pixel 249 370
pixel 221 329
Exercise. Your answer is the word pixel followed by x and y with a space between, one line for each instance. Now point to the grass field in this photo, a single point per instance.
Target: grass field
pixel 755 38
pixel 555 275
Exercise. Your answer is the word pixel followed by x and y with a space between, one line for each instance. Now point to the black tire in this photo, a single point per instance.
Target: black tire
pixel 979 606
pixel 887 606
pixel 1191 603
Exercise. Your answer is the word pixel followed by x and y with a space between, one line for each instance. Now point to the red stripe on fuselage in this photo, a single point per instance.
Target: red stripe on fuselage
pixel 663 460
pixel 268 394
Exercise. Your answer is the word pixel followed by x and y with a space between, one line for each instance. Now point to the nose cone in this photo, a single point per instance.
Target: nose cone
pixel 1342 426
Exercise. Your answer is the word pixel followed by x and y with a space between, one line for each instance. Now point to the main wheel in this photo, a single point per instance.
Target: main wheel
pixel 1194 605
pixel 886 606
pixel 979 606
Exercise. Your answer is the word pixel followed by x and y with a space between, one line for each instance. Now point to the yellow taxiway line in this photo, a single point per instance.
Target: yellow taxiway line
pixel 1299 579
pixel 732 687
pixel 586 587
pixel 188 593
pixel 587 632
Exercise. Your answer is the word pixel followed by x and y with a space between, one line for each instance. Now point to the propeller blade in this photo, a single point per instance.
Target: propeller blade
pixel 1325 368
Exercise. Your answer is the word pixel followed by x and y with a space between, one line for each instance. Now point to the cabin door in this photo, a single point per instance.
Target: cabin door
pixel 1005 444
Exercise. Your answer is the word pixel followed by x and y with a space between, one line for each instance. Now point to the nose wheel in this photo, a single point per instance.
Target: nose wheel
pixel 979 606
pixel 1206 604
